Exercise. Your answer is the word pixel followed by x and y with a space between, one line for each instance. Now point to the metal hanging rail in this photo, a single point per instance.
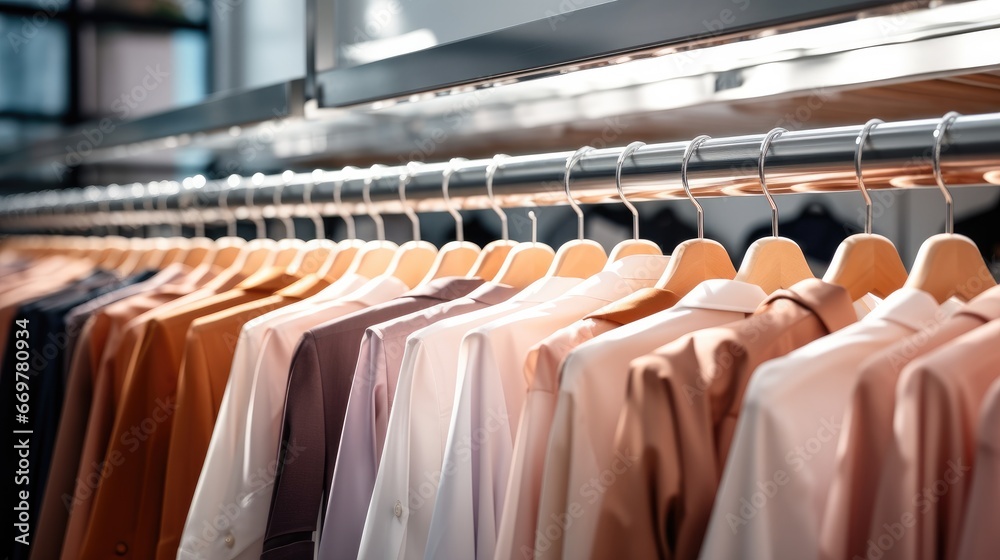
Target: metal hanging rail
pixel 896 155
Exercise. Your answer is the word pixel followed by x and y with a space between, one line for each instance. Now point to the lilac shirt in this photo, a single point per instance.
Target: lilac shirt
pixel 367 416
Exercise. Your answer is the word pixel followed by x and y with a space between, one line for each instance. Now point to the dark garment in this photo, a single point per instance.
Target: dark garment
pixel 816 230
pixel 319 386
pixel 77 317
pixel 982 228
pixel 38 325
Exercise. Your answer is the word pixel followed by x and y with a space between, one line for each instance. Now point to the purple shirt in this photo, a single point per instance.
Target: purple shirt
pixel 367 416
pixel 319 386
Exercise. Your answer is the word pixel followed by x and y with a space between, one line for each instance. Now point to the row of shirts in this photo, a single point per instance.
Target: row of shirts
pixel 206 415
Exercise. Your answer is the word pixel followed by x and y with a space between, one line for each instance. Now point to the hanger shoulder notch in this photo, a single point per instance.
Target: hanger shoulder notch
pixel 693 262
pixel 456 258
pixel 526 263
pixel 774 263
pixel 950 265
pixel 580 258
pixel 867 264
pixel 631 247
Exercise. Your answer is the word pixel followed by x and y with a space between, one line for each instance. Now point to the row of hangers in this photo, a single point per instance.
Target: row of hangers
pixel 946 265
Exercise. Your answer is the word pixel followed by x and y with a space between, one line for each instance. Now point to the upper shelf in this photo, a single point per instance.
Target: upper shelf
pixel 564 36
pixel 894 62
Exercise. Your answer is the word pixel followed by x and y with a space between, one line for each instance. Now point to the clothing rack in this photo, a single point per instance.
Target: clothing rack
pixel 896 155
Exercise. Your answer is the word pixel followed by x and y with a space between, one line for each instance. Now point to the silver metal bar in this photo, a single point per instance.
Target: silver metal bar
pixel 897 155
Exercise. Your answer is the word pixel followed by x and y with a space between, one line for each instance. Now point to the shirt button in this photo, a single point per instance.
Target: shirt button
pixel 230 541
pixel 121 548
pixel 398 509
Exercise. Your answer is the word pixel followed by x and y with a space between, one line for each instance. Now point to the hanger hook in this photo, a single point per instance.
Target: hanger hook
pixel 404 179
pixel 689 151
pixel 104 204
pixel 628 151
pixel 227 214
pixel 570 162
pixel 257 219
pixel 764 147
pixel 338 186
pixel 445 180
pixel 491 170
pixel 372 177
pixel 286 219
pixel 174 223
pixel 861 140
pixel 534 226
pixel 187 209
pixel 939 133
pixel 314 214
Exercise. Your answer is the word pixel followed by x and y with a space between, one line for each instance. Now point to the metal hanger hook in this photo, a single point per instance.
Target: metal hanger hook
pixel 689 151
pixel 373 176
pixel 491 170
pixel 404 179
pixel 338 186
pixel 286 219
pixel 257 219
pixel 765 145
pixel 628 151
pixel 228 215
pixel 445 180
pixel 314 214
pixel 939 133
pixel 861 140
pixel 570 162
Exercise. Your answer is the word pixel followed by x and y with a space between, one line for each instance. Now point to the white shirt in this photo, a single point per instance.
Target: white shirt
pixel 780 467
pixel 228 514
pixel 591 396
pixel 405 487
pixel 491 391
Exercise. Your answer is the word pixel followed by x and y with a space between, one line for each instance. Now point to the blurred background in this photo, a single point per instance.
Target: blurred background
pixel 95 92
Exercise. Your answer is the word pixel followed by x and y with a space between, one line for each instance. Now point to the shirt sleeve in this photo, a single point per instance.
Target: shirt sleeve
pixel 221 480
pixel 298 485
pixel 634 518
pixel 453 529
pixel 357 460
pixel 392 502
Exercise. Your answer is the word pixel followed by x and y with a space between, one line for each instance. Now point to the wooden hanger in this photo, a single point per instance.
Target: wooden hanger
pixel 634 246
pixel 579 258
pixel 319 253
pixel 525 262
pixel 775 262
pixel 494 254
pixel 949 264
pixel 373 257
pixel 263 253
pixel 413 259
pixel 695 260
pixel 866 263
pixel 456 258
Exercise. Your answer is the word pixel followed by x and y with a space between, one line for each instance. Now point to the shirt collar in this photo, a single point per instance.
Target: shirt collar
pixel 831 303
pixel 642 303
pixel 492 293
pixel 378 290
pixel 909 307
pixel 724 295
pixel 640 271
pixel 445 289
pixel 274 280
pixel 341 287
pixel 985 306
pixel 545 289
pixel 606 286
